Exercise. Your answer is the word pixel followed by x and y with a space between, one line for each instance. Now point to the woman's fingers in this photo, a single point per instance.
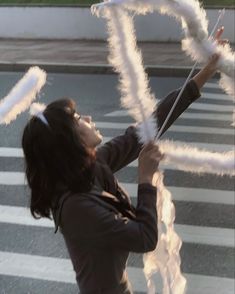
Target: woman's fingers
pixel 214 58
pixel 218 37
pixel 152 152
pixel 149 159
pixel 223 42
pixel 219 33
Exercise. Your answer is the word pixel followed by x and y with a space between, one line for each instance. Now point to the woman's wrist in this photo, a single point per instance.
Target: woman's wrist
pixel 203 76
pixel 149 179
pixel 145 180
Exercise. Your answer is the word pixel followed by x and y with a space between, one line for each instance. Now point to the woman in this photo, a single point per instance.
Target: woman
pixel 72 179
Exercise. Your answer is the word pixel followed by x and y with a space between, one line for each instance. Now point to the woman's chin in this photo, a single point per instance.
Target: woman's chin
pixel 99 138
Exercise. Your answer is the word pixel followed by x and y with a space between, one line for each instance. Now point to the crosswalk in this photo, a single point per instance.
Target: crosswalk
pixel 29 254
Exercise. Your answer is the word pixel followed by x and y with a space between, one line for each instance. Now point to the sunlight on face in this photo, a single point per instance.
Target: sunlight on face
pixel 88 132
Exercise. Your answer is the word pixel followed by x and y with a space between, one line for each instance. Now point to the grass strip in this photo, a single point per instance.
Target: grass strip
pixel 88 2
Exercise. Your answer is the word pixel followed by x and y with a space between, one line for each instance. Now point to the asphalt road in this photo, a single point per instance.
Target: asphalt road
pixel 34 260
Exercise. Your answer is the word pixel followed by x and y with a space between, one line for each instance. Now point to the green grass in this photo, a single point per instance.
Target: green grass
pixel 84 2
pixel 88 2
pixel 219 2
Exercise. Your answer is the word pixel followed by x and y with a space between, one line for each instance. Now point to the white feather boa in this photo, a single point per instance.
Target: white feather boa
pixel 127 61
pixel 195 25
pixel 192 159
pixel 22 95
pixel 165 258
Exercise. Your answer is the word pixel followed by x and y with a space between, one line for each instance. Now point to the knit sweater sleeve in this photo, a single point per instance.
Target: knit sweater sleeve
pixel 123 149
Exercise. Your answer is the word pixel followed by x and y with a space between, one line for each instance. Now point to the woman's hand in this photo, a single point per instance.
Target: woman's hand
pixel 211 67
pixel 218 35
pixel 149 159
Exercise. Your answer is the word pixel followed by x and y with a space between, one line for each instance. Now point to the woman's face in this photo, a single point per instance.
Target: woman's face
pixel 89 134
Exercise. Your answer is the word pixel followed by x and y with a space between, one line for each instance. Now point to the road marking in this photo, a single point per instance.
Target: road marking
pixel 173 128
pixel 190 194
pixel 11 152
pixel 195 283
pixel 12 178
pixel 205 146
pixel 178 193
pixel 22 216
pixel 61 270
pixel 201 130
pixel 216 96
pixel 18 178
pixel 190 115
pixel 197 106
pixel 18 152
pixel 212 86
pixel 110 125
pixel 206 235
pixel 189 234
pixel 207 116
pixel 36 267
pixel 117 113
pixel 211 107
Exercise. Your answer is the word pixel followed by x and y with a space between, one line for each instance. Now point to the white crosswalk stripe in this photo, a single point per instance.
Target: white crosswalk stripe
pixel 191 194
pixel 216 96
pixel 196 106
pixel 60 270
pixel 211 107
pixel 11 152
pixel 212 86
pixel 206 146
pixel 207 116
pixel 18 152
pixel 180 194
pixel 190 234
pixel 12 178
pixel 174 128
pixel 46 268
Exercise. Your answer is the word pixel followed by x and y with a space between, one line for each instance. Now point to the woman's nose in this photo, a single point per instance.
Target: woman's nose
pixel 87 118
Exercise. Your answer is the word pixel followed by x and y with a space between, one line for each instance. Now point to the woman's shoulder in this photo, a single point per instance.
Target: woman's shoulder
pixel 76 209
pixel 78 199
pixel 87 204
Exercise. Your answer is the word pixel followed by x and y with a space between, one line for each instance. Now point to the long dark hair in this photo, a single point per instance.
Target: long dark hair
pixel 55 155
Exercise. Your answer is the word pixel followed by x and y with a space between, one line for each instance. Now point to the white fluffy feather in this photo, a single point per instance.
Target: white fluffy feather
pixel 194 160
pixel 127 61
pixel 195 25
pixel 165 258
pixel 125 58
pixel 22 95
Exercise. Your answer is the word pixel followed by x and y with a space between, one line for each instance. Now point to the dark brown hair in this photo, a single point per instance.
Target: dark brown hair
pixel 55 155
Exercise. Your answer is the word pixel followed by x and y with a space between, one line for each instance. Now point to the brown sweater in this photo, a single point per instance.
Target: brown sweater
pixel 101 227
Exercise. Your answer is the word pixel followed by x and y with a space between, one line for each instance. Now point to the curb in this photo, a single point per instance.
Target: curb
pixel 102 69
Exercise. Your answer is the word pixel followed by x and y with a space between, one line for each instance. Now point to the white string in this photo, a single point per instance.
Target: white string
pixel 221 14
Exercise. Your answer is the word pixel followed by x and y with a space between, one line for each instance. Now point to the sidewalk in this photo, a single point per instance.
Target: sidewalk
pixel 87 56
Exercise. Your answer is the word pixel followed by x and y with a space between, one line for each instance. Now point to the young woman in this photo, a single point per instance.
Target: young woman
pixel 72 179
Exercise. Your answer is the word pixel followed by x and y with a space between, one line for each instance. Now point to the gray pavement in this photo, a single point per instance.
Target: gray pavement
pixel 83 56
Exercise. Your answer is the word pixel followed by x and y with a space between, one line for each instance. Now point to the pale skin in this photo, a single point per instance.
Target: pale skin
pixel 150 155
pixel 210 69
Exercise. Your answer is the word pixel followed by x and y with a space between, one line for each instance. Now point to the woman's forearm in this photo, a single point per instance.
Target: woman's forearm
pixel 207 72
